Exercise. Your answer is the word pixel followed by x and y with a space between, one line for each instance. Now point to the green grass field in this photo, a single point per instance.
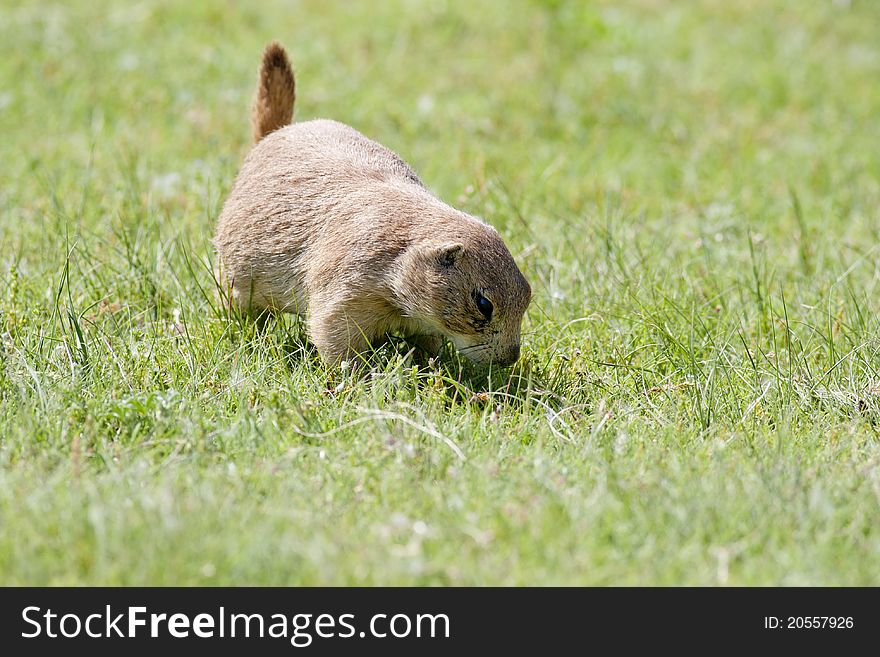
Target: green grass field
pixel 693 190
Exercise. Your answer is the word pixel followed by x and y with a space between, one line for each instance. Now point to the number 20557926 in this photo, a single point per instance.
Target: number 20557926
pixel 808 622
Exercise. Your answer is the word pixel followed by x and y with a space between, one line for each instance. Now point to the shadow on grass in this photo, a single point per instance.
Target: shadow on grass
pixel 447 376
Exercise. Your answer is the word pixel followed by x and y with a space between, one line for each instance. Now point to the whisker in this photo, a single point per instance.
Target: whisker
pixel 482 345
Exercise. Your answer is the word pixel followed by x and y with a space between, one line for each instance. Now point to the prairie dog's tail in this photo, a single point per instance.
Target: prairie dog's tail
pixel 276 91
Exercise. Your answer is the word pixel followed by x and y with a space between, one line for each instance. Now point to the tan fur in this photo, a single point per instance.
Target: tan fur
pixel 328 224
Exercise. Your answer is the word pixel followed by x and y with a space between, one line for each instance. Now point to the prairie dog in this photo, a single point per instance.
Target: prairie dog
pixel 325 223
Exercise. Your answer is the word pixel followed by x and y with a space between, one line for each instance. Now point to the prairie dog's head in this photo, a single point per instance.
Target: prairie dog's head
pixel 467 286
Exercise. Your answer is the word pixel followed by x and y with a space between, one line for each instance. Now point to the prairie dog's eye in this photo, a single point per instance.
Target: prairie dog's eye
pixel 483 305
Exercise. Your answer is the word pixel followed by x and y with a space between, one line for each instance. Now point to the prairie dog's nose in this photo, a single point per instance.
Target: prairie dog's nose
pixel 509 357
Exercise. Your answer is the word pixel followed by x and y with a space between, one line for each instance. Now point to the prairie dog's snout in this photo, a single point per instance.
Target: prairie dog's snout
pixel 328 224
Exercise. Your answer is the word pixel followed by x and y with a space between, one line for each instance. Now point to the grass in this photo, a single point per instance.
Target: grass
pixel 691 188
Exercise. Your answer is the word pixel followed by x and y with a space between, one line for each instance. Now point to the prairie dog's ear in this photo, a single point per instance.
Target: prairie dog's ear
pixel 446 255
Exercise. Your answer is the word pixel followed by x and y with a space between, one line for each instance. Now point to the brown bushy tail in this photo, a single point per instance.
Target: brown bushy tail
pixel 276 91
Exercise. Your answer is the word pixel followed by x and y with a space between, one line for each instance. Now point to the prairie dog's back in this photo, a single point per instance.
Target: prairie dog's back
pixel 306 172
pixel 326 147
